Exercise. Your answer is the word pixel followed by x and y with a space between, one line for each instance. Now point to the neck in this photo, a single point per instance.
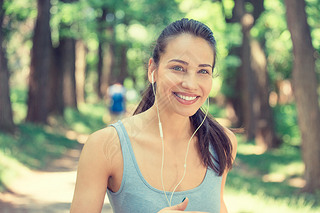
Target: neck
pixel 173 126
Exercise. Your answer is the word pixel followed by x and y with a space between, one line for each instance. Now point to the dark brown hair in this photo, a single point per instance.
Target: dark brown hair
pixel 211 132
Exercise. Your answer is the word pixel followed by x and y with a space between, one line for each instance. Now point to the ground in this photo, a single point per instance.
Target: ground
pixel 48 191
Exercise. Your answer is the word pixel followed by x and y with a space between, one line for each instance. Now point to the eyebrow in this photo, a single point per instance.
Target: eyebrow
pixel 186 63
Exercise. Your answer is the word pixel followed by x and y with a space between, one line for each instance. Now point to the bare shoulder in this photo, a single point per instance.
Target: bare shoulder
pixel 103 145
pixel 105 135
pixel 233 141
pixel 96 166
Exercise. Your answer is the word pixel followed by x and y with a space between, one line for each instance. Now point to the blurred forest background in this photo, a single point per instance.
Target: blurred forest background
pixel 58 57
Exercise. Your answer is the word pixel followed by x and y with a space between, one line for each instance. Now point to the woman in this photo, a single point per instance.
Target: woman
pixel 169 156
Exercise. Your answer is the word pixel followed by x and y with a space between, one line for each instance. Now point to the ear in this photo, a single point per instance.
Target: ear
pixel 151 69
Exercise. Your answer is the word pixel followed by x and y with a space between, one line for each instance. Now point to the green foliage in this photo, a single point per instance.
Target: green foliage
pixel 19 10
pixel 89 118
pixel 71 20
pixel 217 111
pixel 287 124
pixel 17 29
pixel 269 179
pixel 34 146
pixel 18 100
pixel 313 13
pixel 278 40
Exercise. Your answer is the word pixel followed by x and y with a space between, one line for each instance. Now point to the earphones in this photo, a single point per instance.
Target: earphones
pixel 154 93
pixel 152 78
pixel 162 142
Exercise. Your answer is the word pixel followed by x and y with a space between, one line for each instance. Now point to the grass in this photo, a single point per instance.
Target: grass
pixel 89 118
pixel 268 182
pixel 245 202
pixel 31 147
pixel 34 146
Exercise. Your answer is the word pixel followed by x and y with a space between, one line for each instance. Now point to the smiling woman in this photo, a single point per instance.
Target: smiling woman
pixel 184 70
pixel 169 156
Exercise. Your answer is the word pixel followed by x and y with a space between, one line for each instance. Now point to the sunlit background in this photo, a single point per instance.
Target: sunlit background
pixel 80 47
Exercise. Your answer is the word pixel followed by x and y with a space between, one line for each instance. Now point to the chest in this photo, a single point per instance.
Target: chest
pixel 157 166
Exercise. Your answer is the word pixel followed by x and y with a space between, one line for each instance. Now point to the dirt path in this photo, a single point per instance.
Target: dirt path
pixel 49 191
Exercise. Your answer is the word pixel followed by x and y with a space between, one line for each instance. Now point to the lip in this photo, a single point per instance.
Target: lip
pixel 186 102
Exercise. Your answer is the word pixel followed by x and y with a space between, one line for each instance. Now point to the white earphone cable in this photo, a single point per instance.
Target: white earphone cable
pixel 187 152
pixel 162 142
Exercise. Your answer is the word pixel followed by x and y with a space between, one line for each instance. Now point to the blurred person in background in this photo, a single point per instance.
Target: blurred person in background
pixel 117 101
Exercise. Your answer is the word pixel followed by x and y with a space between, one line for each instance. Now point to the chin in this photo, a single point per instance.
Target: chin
pixel 187 113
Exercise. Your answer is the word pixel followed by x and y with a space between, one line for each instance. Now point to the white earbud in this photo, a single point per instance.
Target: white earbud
pixel 152 78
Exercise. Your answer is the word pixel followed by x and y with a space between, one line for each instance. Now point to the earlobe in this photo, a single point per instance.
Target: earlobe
pixel 151 70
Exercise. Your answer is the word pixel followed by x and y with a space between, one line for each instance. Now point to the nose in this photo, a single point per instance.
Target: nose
pixel 189 82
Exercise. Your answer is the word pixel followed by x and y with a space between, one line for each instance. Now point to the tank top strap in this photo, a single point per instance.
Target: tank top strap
pixel 123 137
pixel 128 165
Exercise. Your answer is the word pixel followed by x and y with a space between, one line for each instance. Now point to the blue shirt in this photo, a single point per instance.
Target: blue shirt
pixel 117 94
pixel 137 195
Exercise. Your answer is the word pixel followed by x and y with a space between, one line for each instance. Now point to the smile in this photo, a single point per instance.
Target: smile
pixel 186 98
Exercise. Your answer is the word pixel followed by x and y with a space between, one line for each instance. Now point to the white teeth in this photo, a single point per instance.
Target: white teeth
pixel 187 98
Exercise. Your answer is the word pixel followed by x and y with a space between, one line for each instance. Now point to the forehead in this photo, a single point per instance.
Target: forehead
pixel 192 49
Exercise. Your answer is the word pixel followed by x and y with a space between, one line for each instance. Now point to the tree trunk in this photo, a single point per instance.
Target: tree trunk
pixel 265 133
pixel 81 52
pixel 123 63
pixel 40 66
pixel 6 120
pixel 108 66
pixel 305 86
pixel 68 57
pixel 252 80
pixel 249 105
pixel 56 101
pixel 106 54
pixel 101 50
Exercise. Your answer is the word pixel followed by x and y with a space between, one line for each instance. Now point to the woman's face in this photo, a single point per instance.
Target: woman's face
pixel 184 74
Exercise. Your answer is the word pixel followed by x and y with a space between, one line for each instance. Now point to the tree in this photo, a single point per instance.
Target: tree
pixel 265 133
pixel 305 86
pixel 40 65
pixel 81 52
pixel 67 46
pixel 55 101
pixel 253 82
pixel 106 51
pixel 6 120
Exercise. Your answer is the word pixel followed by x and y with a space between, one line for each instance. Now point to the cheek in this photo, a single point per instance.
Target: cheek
pixel 170 80
pixel 206 86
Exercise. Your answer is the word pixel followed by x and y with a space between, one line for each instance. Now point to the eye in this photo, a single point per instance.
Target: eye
pixel 177 68
pixel 203 71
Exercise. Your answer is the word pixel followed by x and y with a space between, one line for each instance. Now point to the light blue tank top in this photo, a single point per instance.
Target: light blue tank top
pixel 137 195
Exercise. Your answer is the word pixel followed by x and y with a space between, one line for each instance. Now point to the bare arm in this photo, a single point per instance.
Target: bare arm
pixel 233 139
pixel 94 170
